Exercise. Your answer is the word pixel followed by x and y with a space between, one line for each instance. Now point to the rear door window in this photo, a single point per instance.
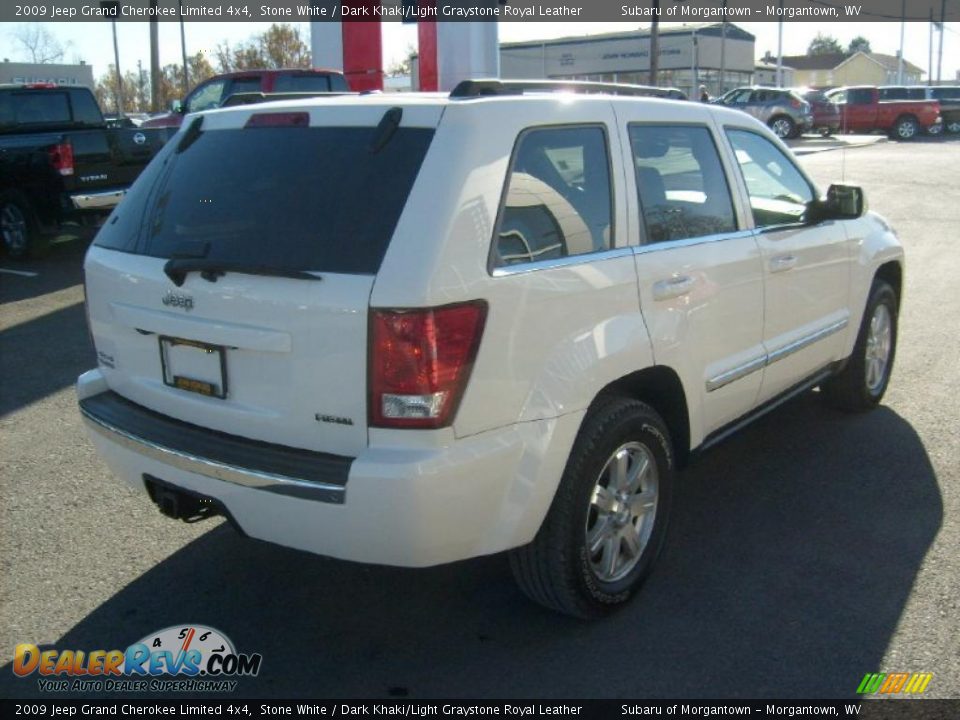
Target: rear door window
pixel 681 183
pixel 297 198
pixel 558 199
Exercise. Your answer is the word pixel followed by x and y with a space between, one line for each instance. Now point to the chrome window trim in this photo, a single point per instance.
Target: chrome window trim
pixel 281 484
pixel 762 361
pixel 566 261
pixel 690 242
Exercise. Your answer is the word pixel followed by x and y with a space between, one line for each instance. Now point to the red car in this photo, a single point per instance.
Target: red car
pixel 826 114
pixel 211 93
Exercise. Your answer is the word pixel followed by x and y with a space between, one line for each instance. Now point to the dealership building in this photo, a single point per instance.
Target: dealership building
pixel 23 73
pixel 690 56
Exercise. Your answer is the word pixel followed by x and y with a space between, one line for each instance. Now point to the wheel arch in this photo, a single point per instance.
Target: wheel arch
pixel 660 387
pixel 892 273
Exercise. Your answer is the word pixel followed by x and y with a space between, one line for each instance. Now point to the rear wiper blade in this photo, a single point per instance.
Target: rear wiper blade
pixel 177 270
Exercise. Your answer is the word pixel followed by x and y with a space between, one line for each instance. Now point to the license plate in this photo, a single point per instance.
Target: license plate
pixel 194 366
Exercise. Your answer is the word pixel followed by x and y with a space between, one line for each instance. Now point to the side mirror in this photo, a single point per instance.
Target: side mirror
pixel 842 202
pixel 176 106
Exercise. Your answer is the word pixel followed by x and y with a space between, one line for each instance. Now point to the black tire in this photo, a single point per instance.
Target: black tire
pixel 783 127
pixel 557 569
pixel 18 228
pixel 853 390
pixel 826 132
pixel 905 128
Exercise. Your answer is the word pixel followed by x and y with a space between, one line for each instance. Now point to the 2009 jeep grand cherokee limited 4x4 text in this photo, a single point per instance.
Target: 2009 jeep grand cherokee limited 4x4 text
pixel 413 330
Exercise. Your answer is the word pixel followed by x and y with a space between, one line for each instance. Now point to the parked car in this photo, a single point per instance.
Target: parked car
pixel 861 109
pixel 211 93
pixel 411 330
pixel 949 98
pixel 60 161
pixel 826 114
pixel 785 112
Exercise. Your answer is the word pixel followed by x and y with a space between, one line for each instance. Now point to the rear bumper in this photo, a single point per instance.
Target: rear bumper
pixel 408 506
pixel 102 200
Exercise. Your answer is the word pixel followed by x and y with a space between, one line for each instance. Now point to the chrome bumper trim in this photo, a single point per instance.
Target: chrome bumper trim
pixel 97 201
pixel 246 477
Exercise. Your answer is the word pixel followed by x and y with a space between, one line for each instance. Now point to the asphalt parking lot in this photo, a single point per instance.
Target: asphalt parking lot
pixel 810 549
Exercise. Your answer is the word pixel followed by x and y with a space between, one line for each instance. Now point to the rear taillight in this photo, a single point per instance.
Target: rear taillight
pixel 795 103
pixel 420 361
pixel 61 158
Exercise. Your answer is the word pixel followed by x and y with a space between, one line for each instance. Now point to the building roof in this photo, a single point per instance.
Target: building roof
pixel 710 29
pixel 831 61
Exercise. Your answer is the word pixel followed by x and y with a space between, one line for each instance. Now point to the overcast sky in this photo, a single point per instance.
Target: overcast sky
pixel 93 42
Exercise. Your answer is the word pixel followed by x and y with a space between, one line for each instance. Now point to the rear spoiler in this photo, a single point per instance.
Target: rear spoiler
pixel 254 98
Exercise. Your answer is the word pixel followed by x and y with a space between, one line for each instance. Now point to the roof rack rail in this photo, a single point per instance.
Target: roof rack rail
pixel 494 87
pixel 254 98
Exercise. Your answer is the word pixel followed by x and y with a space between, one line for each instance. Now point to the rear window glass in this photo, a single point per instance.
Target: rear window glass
pixel 302 83
pixel 30 108
pixel 85 108
pixel 313 199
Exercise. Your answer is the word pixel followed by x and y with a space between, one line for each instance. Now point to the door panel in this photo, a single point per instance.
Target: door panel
pixel 805 268
pixel 700 274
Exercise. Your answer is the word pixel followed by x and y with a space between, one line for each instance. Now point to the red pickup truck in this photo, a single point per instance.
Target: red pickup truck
pixel 861 109
pixel 213 92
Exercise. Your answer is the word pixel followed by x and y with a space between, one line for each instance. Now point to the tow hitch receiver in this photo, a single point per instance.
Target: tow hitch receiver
pixel 180 504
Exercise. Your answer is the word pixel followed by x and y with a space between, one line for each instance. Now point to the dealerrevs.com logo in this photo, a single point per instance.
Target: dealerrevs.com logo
pixel 181 658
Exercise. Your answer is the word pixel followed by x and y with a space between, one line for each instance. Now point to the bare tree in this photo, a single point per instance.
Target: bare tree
pixel 279 46
pixel 39 44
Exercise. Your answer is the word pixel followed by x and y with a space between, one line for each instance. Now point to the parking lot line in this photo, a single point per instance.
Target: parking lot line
pixel 22 273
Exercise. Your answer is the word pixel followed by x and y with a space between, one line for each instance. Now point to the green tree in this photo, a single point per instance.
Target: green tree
pixel 824 45
pixel 106 92
pixel 858 44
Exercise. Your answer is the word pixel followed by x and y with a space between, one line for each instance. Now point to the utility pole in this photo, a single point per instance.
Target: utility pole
pixel 154 58
pixel 723 50
pixel 780 48
pixel 930 52
pixel 903 26
pixel 183 50
pixel 694 90
pixel 655 44
pixel 140 85
pixel 943 13
pixel 116 60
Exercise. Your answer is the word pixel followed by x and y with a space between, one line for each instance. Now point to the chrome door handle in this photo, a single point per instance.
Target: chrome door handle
pixel 673 287
pixel 783 262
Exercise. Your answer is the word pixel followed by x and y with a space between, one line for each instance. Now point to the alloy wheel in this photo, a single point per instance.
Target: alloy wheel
pixel 622 511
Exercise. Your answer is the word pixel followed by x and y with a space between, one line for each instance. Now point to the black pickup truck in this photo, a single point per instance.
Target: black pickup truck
pixel 60 161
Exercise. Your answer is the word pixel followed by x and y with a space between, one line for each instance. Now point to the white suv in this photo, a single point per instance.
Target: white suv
pixel 413 329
